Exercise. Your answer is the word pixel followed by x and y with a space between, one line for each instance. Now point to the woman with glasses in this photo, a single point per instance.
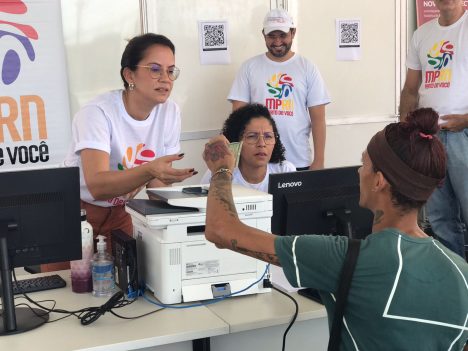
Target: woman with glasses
pixel 126 139
pixel 262 152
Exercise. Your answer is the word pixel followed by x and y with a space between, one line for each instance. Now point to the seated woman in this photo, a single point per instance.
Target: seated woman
pixel 408 291
pixel 262 151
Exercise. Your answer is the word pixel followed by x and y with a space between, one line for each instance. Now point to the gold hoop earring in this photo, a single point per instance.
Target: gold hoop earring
pixel 131 86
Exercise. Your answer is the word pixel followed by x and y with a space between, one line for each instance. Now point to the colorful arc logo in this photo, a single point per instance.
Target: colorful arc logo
pixel 11 65
pixel 440 54
pixel 140 156
pixel 280 85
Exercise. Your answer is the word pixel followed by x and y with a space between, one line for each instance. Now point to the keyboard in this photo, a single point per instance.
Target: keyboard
pixel 30 285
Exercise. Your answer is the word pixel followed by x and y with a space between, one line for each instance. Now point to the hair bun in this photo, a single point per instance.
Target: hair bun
pixel 423 121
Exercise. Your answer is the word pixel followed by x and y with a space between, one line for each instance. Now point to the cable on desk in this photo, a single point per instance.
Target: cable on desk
pixel 293 318
pixel 89 314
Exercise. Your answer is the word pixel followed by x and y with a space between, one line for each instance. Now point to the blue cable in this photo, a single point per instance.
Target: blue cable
pixel 209 302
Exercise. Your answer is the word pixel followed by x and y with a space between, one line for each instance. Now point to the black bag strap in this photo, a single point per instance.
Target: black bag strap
pixel 342 293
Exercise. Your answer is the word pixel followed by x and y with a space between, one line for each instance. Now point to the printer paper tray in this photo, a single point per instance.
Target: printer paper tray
pixel 199 292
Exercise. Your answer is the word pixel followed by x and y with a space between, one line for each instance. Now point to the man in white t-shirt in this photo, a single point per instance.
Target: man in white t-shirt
pixel 291 87
pixel 437 77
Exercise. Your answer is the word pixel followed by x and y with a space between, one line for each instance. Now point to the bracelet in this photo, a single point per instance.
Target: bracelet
pixel 222 170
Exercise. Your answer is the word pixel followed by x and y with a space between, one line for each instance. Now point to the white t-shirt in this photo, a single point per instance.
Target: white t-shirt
pixel 441 53
pixel 104 124
pixel 237 177
pixel 287 89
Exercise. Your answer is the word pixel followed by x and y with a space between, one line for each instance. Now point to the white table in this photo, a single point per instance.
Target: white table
pixel 256 321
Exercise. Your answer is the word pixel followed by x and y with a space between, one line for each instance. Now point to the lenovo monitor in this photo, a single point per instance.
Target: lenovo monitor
pixel 319 202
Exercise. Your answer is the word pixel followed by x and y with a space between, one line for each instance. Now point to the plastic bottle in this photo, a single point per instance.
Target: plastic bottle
pixel 103 270
pixel 81 269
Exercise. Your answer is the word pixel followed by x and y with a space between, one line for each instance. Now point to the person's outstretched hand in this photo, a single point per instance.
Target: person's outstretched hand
pixel 161 169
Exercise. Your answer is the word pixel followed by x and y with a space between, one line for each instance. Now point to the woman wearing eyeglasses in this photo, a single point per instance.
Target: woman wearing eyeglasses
pixel 126 139
pixel 262 151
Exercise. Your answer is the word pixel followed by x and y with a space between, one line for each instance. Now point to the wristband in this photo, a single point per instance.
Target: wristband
pixel 222 170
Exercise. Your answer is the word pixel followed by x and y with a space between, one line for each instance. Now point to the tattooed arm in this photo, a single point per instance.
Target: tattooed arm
pixel 223 226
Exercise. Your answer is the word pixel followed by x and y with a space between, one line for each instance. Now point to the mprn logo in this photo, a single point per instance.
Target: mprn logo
pixel 280 85
pixel 440 54
pixel 140 156
pixel 11 66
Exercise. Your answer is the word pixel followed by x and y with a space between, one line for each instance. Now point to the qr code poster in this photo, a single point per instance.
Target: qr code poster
pixel 348 39
pixel 350 33
pixel 214 48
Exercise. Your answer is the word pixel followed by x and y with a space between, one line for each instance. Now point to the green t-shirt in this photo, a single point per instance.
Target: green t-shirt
pixel 406 294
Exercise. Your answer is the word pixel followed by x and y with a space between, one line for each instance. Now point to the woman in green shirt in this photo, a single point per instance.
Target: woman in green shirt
pixel 408 292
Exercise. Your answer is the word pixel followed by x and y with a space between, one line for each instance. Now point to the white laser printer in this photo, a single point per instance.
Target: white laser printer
pixel 175 260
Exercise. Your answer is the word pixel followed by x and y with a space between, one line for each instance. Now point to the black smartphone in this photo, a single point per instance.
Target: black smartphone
pixel 311 293
pixel 195 190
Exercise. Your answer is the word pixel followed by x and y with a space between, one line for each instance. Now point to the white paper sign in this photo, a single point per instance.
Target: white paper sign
pixel 214 49
pixel 348 39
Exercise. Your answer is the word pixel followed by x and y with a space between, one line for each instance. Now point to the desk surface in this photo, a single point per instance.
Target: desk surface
pixel 109 332
pixel 265 310
pixel 164 327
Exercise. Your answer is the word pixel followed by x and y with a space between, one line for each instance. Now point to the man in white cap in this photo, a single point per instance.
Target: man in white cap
pixel 291 87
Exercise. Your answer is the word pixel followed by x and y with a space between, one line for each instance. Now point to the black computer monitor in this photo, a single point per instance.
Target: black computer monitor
pixel 319 202
pixel 39 223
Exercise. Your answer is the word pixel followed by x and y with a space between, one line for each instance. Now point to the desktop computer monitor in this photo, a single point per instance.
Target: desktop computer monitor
pixel 39 223
pixel 319 202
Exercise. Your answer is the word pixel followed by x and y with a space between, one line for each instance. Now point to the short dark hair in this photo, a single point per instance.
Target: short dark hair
pixel 234 127
pixel 136 48
pixel 423 152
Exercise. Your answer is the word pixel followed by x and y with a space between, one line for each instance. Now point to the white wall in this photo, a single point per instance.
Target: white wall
pixel 96 33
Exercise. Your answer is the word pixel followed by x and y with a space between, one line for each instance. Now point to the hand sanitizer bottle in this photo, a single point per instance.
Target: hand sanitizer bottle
pixel 81 269
pixel 103 270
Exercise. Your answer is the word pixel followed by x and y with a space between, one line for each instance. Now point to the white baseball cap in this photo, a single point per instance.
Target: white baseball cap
pixel 277 19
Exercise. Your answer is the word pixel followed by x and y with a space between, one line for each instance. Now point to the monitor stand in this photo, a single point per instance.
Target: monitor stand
pixel 14 319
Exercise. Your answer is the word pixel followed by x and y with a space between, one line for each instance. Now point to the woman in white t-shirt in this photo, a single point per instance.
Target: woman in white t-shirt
pixel 126 139
pixel 262 152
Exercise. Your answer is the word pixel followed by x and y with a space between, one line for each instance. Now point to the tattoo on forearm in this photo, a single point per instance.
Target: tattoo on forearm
pixel 272 258
pixel 223 193
pixel 378 216
pixel 215 151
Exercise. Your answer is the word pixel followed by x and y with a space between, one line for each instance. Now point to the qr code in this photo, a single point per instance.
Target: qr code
pixel 349 34
pixel 214 37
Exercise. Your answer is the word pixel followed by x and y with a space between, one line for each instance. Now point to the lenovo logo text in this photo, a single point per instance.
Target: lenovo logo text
pixel 289 185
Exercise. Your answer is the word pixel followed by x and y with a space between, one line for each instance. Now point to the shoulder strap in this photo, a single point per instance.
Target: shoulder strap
pixel 342 293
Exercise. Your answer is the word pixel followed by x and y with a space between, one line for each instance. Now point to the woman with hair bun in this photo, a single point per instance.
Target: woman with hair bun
pixel 408 291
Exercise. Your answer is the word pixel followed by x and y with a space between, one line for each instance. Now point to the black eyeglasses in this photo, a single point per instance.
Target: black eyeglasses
pixel 253 137
pixel 156 71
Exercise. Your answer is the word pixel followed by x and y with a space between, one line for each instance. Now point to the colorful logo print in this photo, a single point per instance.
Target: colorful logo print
pixel 137 158
pixel 11 65
pixel 440 54
pixel 280 85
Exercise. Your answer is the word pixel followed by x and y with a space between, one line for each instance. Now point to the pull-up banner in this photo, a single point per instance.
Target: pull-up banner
pixel 427 10
pixel 34 109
